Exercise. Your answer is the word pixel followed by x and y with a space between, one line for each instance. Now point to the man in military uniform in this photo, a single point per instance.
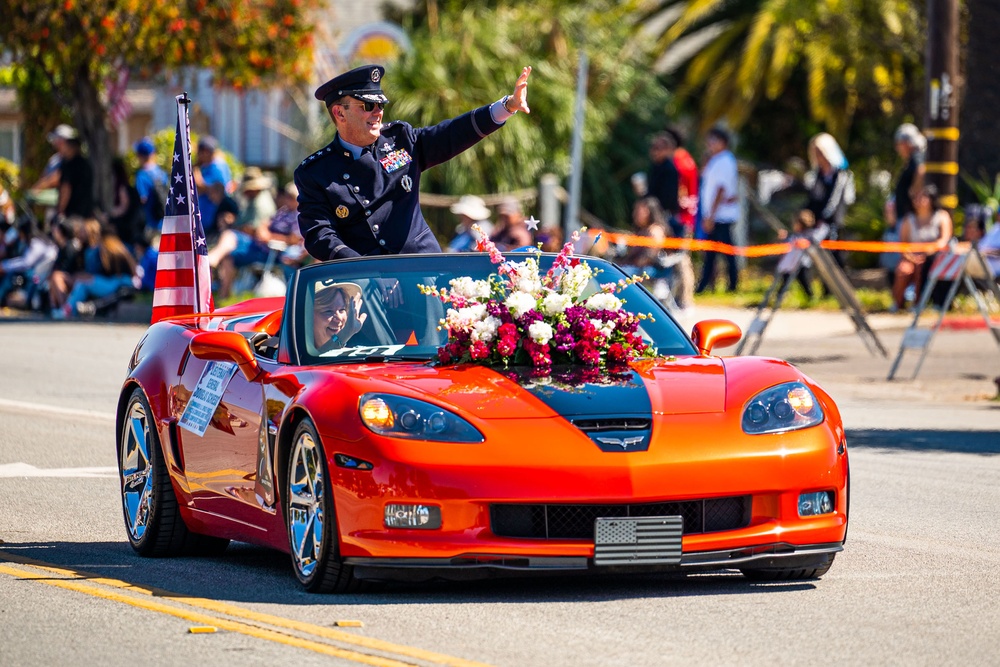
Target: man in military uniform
pixel 359 195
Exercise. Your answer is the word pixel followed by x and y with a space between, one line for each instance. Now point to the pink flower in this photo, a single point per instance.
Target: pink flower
pixel 507 346
pixel 617 353
pixel 479 350
pixel 587 352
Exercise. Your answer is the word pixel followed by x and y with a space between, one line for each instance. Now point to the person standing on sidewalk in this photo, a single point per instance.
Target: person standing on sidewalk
pixel 719 205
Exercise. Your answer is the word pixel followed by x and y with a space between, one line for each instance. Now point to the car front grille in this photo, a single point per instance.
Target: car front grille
pixel 576 522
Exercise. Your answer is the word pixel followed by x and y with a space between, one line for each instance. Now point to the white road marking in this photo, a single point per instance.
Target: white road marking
pixel 28 470
pixel 53 409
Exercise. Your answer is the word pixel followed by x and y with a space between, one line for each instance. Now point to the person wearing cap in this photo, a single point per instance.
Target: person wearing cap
pixel 471 210
pixel 210 167
pixel 76 180
pixel 50 174
pixel 150 181
pixel 511 232
pixel 359 195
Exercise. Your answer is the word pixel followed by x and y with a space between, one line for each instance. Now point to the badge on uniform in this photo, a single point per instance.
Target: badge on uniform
pixel 342 211
pixel 395 160
pixel 407 183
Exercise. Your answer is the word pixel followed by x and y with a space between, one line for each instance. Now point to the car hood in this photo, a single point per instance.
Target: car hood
pixel 687 385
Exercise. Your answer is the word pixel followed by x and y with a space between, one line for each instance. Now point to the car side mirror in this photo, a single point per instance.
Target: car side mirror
pixel 709 334
pixel 227 346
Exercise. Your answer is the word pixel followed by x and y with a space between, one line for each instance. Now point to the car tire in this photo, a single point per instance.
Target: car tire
pixel 153 522
pixel 312 523
pixel 788 573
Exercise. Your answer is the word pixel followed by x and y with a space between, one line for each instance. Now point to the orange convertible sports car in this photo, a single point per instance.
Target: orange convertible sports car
pixel 325 425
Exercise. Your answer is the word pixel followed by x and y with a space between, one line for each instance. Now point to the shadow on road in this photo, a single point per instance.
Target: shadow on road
pixel 252 574
pixel 962 442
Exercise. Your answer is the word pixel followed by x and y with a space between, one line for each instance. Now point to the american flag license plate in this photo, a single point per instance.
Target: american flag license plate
pixel 649 540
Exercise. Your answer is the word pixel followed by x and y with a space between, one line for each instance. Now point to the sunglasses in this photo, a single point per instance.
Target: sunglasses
pixel 370 106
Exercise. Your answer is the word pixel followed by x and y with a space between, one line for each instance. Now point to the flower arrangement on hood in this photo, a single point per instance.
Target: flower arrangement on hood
pixel 522 317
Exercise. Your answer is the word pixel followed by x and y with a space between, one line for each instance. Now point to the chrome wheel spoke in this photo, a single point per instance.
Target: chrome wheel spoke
pixel 305 505
pixel 136 471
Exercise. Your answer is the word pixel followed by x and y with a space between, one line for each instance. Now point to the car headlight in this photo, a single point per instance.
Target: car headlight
pixel 402 417
pixel 786 407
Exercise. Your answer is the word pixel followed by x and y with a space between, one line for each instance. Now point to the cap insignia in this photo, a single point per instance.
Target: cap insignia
pixel 342 211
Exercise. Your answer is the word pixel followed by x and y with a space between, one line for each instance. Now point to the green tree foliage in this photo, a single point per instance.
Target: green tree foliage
pixel 80 45
pixel 855 54
pixel 468 54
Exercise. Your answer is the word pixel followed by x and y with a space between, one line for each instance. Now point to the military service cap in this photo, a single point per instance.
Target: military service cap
pixel 362 83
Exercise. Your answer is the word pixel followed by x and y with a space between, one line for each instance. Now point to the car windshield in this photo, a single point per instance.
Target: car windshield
pixel 373 308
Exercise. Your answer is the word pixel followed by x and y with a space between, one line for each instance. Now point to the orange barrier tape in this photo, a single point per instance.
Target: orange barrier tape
pixel 764 250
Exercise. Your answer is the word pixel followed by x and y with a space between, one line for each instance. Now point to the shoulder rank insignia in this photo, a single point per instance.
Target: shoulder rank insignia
pixel 342 211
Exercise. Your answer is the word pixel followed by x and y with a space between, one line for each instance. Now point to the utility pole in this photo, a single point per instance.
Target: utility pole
pixel 941 118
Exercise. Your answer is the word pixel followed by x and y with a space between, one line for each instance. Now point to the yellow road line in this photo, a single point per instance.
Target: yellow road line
pixel 257 617
pixel 204 619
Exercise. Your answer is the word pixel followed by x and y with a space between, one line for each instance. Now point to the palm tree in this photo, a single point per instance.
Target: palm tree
pixel 854 54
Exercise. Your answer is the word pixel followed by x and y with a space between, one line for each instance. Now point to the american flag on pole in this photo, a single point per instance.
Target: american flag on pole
pixel 183 277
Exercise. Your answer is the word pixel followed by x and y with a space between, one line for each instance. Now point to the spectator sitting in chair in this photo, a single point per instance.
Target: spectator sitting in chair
pixel 108 266
pixel 284 230
pixel 238 245
pixel 38 251
pixel 928 223
pixel 470 210
pixel 511 232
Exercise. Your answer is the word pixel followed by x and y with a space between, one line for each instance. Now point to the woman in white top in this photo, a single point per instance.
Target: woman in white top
pixel 929 223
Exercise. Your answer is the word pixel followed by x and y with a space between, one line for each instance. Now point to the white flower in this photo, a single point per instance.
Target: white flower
pixel 524 276
pixel 555 303
pixel 540 332
pixel 604 301
pixel 574 279
pixel 468 288
pixel 518 303
pixel 486 330
pixel 464 318
pixel 604 327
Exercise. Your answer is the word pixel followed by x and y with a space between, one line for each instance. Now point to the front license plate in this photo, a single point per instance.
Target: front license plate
pixel 648 540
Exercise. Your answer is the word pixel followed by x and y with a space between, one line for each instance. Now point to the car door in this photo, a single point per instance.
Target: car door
pixel 220 465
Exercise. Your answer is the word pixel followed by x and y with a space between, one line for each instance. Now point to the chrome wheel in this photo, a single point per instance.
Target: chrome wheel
pixel 306 516
pixel 136 470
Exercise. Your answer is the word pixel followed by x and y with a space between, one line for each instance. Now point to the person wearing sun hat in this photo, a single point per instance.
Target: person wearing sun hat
pixel 359 195
pixel 471 210
pixel 336 314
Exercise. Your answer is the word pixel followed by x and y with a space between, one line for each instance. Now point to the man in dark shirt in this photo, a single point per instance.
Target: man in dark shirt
pixel 359 195
pixel 664 180
pixel 76 182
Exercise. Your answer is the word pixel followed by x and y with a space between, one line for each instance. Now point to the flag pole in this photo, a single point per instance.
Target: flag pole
pixel 183 101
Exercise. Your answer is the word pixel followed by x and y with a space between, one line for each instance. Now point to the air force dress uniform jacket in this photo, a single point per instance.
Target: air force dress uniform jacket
pixel 371 206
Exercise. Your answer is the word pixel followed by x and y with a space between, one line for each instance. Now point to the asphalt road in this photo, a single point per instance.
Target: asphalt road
pixel 917 583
